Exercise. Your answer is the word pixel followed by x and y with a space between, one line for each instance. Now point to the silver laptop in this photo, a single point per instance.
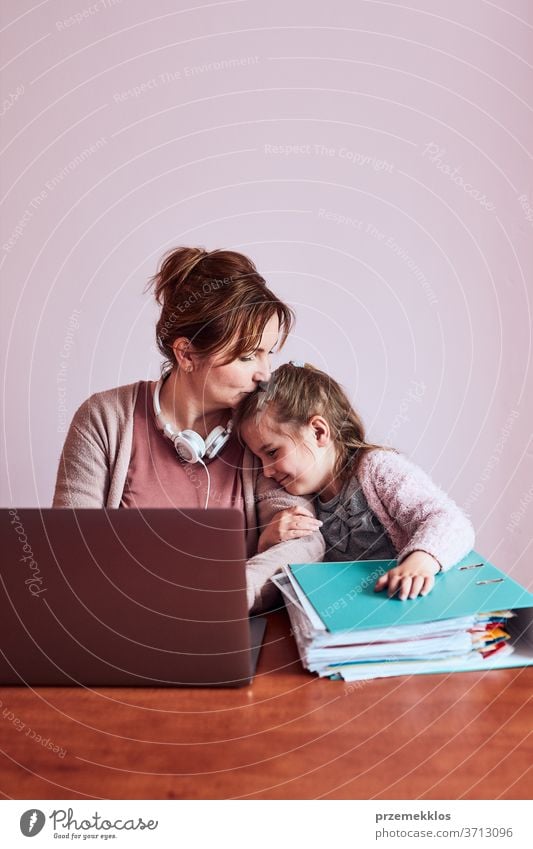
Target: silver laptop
pixel 150 597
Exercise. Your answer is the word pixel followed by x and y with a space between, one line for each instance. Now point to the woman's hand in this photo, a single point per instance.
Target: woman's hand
pixel 414 576
pixel 293 523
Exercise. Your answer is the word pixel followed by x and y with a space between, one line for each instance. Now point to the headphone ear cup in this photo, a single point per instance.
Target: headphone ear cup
pixel 216 441
pixel 189 445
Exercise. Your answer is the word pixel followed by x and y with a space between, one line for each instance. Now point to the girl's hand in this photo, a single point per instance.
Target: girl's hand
pixel 293 523
pixel 414 576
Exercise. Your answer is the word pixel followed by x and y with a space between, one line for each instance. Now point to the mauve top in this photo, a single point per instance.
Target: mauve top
pixel 157 477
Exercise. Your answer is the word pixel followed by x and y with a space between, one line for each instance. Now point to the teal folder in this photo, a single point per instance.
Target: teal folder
pixel 342 593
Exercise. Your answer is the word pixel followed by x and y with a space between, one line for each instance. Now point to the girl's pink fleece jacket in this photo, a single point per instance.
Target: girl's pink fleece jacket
pixel 415 512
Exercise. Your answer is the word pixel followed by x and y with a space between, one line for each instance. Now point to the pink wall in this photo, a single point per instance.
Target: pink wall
pixel 373 158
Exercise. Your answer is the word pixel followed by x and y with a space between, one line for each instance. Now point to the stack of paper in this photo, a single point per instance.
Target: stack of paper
pixel 476 617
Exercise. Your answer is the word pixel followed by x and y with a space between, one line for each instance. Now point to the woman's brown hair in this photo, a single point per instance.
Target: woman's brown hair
pixel 294 394
pixel 217 300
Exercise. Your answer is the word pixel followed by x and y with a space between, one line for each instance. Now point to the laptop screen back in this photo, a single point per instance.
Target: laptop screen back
pixel 149 597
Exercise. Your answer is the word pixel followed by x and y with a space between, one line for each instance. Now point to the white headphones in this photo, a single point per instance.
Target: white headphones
pixel 190 446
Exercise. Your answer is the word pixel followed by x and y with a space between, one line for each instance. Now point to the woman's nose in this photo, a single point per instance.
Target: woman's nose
pixel 268 470
pixel 262 373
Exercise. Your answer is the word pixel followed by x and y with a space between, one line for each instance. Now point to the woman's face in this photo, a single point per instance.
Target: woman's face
pixel 222 385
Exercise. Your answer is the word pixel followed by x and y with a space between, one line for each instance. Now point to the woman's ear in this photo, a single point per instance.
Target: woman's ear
pixel 182 352
pixel 321 430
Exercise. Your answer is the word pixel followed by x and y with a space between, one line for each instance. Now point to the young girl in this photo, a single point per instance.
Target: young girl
pixel 371 502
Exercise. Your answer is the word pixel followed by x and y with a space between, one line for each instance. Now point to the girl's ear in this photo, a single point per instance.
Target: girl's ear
pixel 321 430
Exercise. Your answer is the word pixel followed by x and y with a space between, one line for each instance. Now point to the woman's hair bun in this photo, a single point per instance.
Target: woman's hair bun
pixel 174 270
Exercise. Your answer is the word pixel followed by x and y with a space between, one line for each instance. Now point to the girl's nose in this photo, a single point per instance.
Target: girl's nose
pixel 268 470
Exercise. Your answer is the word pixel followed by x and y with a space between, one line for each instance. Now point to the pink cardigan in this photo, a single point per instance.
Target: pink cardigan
pixel 417 515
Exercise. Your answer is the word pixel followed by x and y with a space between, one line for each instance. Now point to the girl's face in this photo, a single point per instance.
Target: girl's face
pixel 301 462
pixel 222 385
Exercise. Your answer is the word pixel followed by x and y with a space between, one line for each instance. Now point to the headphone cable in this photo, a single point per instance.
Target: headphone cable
pixel 208 482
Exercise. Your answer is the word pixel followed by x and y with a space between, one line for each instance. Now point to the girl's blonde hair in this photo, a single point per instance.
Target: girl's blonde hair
pixel 294 394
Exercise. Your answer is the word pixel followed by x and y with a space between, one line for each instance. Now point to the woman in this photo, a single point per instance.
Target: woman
pixel 136 445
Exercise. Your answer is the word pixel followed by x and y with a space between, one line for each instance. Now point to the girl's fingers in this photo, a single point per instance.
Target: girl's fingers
pixel 295 533
pixel 309 525
pixel 299 532
pixel 300 511
pixel 416 585
pixel 304 523
pixel 429 583
pixel 381 583
pixel 404 587
pixel 285 536
pixel 394 584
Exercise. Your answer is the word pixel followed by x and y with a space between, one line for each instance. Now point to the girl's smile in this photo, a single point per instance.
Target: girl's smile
pixel 303 462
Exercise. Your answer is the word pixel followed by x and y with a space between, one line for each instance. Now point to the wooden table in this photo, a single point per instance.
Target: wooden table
pixel 288 736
